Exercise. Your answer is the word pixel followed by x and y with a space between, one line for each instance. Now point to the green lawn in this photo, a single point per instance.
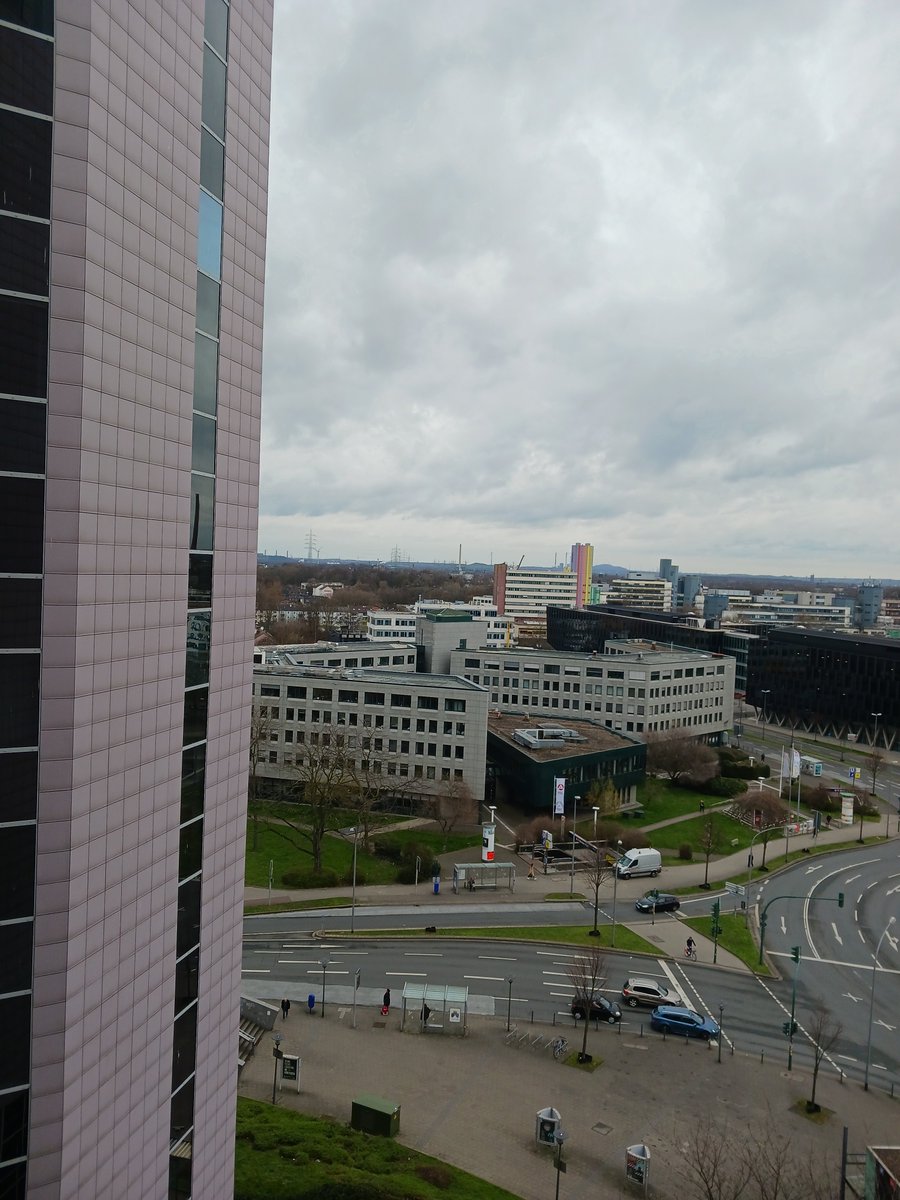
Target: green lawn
pixel 670 837
pixel 284 1155
pixel 569 935
pixel 735 936
pixel 661 802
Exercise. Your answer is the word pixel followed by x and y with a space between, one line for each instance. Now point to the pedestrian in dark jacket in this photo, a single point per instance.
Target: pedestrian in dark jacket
pixel 386 1002
pixel 285 1008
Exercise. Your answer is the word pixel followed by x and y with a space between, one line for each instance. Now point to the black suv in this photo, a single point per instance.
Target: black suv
pixel 601 1009
pixel 658 901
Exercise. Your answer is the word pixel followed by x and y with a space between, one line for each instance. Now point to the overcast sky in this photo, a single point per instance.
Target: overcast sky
pixel 546 271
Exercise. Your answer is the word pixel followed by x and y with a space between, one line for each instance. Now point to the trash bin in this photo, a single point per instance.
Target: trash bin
pixel 311 1001
pixel 637 1165
pixel 436 883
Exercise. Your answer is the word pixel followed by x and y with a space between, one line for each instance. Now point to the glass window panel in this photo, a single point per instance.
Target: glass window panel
pixel 212 164
pixel 198 627
pixel 180 1168
pixel 196 704
pixel 15 1021
pixel 15 959
pixel 190 848
pixel 209 236
pixel 188 928
pixel 19 699
pixel 24 256
pixel 31 14
pixel 184 1050
pixel 25 164
pixel 206 366
pixel 23 344
pixel 202 501
pixel 213 103
pixel 215 25
pixel 187 974
pixel 18 799
pixel 200 581
pixel 26 71
pixel 17 875
pixel 24 426
pixel 13 1129
pixel 193 777
pixel 203 446
pixel 21 525
pixel 20 613
pixel 207 306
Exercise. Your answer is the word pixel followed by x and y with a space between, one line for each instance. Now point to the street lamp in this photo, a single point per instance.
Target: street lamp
pixel 874 760
pixel 276 1054
pixel 758 833
pixel 561 1136
pixel 572 866
pixel 764 692
pixel 721 1035
pixel 509 981
pixel 353 891
pixel 596 812
pixel 872 1001
pixel 324 963
pixel 875 735
pixel 615 886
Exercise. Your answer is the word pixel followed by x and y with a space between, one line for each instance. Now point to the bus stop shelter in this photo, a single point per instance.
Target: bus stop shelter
pixel 438 1008
pixel 473 877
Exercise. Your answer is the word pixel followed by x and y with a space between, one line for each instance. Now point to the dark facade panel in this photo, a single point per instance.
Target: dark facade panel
pixel 26 71
pixel 20 613
pixel 24 256
pixel 24 326
pixel 25 164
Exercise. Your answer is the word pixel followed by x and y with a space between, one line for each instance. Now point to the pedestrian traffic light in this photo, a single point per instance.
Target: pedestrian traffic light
pixel 795 953
pixel 840 899
pixel 789 1028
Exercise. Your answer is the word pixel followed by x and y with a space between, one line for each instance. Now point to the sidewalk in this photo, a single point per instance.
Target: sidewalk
pixel 473 1101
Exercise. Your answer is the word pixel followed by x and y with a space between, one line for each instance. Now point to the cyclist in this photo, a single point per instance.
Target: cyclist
pixel 690 949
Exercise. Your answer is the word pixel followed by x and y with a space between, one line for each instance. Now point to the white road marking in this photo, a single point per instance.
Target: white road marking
pixel 846 1058
pixel 421 954
pixel 316 970
pixel 892 890
pixel 783 926
pixel 864 862
pixel 850 878
pixel 407 974
pixel 496 958
pixel 862 936
pixel 255 971
pixel 486 978
pixel 839 939
pixel 301 962
pixel 850 996
pixel 836 962
pixel 884 1025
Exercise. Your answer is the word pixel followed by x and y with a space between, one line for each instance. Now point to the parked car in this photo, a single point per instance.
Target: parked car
pixel 648 991
pixel 601 1009
pixel 644 861
pixel 683 1021
pixel 658 901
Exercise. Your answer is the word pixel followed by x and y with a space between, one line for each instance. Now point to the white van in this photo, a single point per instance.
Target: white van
pixel 639 862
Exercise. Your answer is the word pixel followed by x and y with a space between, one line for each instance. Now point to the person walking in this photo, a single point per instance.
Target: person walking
pixel 285 1008
pixel 386 1002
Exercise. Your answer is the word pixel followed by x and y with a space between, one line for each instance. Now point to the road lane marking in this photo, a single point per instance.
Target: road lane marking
pixel 421 954
pixel 840 940
pixel 301 962
pixel 255 971
pixel 783 926
pixel 884 1025
pixel 407 974
pixel 495 958
pixel 836 962
pixel 486 978
pixel 850 996
pixel 850 878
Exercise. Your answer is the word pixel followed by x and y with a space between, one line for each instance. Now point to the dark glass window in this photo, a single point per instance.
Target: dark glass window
pixel 184 1051
pixel 203 447
pixel 187 974
pixel 13 1129
pixel 213 103
pixel 198 627
pixel 206 366
pixel 188 929
pixel 30 14
pixel 212 163
pixel 182 1120
pixel 19 699
pixel 25 164
pixel 24 425
pixel 209 236
pixel 26 71
pixel 18 795
pixel 296 693
pixel 17 874
pixel 207 305
pixel 200 581
pixel 23 344
pixel 193 776
pixel 24 255
pixel 20 611
pixel 180 1168
pixel 202 501
pixel 15 1019
pixel 190 848
pixel 196 704
pixel 15 957
pixel 215 26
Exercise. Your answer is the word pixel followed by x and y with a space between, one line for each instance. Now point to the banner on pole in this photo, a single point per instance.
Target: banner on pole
pixel 559 797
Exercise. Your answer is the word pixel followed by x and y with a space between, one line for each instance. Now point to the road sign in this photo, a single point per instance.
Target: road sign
pixel 735 889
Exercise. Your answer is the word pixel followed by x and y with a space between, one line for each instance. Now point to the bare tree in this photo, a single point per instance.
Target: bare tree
pixel 711 840
pixel 873 762
pixel 260 730
pixel 587 972
pixel 597 874
pixel 824 1032
pixel 602 795
pixel 676 754
pixel 451 804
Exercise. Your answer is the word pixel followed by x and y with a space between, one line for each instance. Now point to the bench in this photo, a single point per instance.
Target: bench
pixel 735 841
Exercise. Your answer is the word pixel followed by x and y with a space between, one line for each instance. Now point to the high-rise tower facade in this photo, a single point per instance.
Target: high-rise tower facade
pixel 133 176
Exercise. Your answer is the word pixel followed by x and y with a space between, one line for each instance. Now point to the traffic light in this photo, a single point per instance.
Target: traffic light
pixel 716 928
pixel 840 899
pixel 789 1028
pixel 795 953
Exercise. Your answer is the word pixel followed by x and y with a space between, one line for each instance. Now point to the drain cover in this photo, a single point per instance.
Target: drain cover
pixel 601 1128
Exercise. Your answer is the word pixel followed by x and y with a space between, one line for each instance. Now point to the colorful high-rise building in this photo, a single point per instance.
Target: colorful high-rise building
pixel 133 182
pixel 582 563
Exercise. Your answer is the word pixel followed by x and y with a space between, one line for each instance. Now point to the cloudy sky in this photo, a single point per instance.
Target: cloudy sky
pixel 546 271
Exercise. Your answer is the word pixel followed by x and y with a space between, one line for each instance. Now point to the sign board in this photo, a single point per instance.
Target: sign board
pixel 559 796
pixel 854 773
pixel 290 1069
pixel 637 1165
pixel 487 842
pixel 735 889
pixel 847 810
pixel 454 1015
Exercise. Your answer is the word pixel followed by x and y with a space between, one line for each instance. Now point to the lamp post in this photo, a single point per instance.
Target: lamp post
pixel 353 887
pixel 721 1014
pixel 615 886
pixel 561 1136
pixel 572 866
pixel 795 955
pixel 509 1002
pixel 758 833
pixel 276 1054
pixel 323 964
pixel 872 1002
pixel 764 692
pixel 873 760
pixel 877 717
pixel 596 813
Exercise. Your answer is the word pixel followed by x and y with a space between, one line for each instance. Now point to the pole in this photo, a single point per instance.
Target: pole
pixel 271 873
pixel 560 1138
pixel 764 693
pixel 596 811
pixel 572 867
pixel 615 887
pixel 355 990
pixel 872 1002
pixel 323 966
pixel 721 1035
pixel 276 1053
pixel 353 892
pixel 509 1003
pixel 793 1012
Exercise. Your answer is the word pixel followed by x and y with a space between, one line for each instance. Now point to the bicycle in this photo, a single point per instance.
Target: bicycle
pixel 690 952
pixel 560 1046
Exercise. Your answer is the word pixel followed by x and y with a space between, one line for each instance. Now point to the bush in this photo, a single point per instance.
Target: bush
pixel 686 851
pixel 310 879
pixel 388 848
pixel 407 873
pixel 744 770
pixel 724 787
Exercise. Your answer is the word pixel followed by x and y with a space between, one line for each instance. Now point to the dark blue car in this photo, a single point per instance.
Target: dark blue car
pixel 683 1021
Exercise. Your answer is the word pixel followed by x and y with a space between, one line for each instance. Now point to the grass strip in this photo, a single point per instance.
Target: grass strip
pixel 735 937
pixel 570 935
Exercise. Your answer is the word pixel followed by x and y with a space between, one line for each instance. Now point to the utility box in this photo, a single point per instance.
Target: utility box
pixel 371 1114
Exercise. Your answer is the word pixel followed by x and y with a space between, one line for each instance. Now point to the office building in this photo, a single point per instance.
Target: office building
pixel 524 594
pixel 133 150
pixel 641 589
pixel 581 563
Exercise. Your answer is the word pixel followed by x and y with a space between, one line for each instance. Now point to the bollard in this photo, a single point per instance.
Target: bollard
pixel 732 1049
pixel 642 1029
pixel 841 1069
pixel 762 1057
pixel 619 1032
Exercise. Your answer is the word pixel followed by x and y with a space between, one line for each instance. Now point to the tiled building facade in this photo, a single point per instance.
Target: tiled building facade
pixel 133 151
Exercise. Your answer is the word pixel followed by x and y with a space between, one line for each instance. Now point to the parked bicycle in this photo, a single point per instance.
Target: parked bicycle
pixel 560 1046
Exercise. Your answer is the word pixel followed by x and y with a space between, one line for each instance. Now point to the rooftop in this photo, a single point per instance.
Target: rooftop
pixel 370 675
pixel 591 739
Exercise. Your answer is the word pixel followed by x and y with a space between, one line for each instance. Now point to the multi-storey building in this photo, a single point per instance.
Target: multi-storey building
pixel 133 151
pixel 633 688
pixel 524 594
pixel 401 625
pixel 393 656
pixel 581 562
pixel 641 589
pixel 422 731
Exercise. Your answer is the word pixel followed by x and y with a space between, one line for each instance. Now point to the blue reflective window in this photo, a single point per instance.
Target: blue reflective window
pixel 203 448
pixel 207 306
pixel 209 237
